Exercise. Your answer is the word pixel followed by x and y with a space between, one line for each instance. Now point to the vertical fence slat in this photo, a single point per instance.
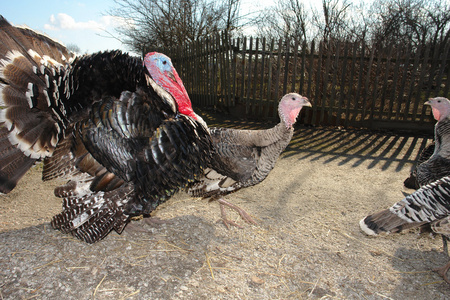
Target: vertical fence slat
pixel 228 69
pixel 366 87
pixel 400 96
pixel 310 80
pixel 269 78
pixel 303 68
pixel 385 83
pixel 350 86
pixel 255 78
pixel 409 99
pixel 342 84
pixel 277 79
pixel 323 90
pixel 249 76
pixel 286 67
pixel 419 87
pixel 294 67
pixel 372 104
pixel 394 82
pixel 333 84
pixel 263 72
pixel 243 61
pixel 235 49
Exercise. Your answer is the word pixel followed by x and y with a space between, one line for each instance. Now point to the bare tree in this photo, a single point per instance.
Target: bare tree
pixel 173 23
pixel 288 18
pixel 332 22
pixel 416 22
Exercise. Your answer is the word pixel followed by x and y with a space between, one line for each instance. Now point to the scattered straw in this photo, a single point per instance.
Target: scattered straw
pixel 47 264
pixel 73 268
pixel 227 254
pixel 131 294
pixel 209 265
pixel 174 246
pixel 317 281
pixel 22 252
pixel 381 295
pixel 98 285
pixel 434 282
pixel 279 262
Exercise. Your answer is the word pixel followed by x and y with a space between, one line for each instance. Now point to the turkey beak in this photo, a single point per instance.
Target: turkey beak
pixel 428 102
pixel 307 103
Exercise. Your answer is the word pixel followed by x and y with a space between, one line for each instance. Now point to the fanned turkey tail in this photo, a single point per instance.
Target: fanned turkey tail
pixel 427 205
pixel 32 116
pixel 92 216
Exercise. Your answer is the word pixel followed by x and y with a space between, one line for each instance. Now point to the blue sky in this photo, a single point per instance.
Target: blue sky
pixel 79 22
pixel 70 22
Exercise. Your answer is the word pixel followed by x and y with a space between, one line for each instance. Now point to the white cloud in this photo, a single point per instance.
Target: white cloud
pixel 63 21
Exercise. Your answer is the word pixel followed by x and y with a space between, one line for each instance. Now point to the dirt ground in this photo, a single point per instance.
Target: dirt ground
pixel 307 243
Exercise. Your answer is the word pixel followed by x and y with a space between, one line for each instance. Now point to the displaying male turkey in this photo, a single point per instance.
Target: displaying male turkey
pixel 428 207
pixel 438 164
pixel 99 120
pixel 242 158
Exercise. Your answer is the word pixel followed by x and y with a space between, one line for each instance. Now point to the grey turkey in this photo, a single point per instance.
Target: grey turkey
pixel 243 158
pixel 100 121
pixel 427 208
pixel 438 164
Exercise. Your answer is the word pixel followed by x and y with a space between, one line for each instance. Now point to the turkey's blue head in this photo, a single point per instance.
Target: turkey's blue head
pixel 164 74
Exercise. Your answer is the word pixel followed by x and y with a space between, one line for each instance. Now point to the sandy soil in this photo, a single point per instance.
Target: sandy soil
pixel 307 243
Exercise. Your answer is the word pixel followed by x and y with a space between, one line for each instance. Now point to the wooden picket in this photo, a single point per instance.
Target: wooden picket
pixel 349 84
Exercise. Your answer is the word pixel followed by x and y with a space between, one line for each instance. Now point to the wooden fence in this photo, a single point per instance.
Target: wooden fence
pixel 349 84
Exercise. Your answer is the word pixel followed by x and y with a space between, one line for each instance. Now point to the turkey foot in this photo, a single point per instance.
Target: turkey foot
pixel 443 272
pixel 244 215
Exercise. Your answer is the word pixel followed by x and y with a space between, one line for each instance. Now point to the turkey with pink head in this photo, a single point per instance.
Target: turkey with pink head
pixel 244 158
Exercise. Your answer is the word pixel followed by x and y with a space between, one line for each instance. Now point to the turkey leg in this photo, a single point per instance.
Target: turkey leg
pixel 244 215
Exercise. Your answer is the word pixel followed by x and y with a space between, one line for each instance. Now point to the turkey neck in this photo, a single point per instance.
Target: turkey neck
pixel 274 141
pixel 442 138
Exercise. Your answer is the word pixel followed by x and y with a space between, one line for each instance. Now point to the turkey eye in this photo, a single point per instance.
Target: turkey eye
pixel 164 62
pixel 293 98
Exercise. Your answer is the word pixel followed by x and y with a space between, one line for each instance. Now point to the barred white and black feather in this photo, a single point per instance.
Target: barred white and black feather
pixel 429 205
